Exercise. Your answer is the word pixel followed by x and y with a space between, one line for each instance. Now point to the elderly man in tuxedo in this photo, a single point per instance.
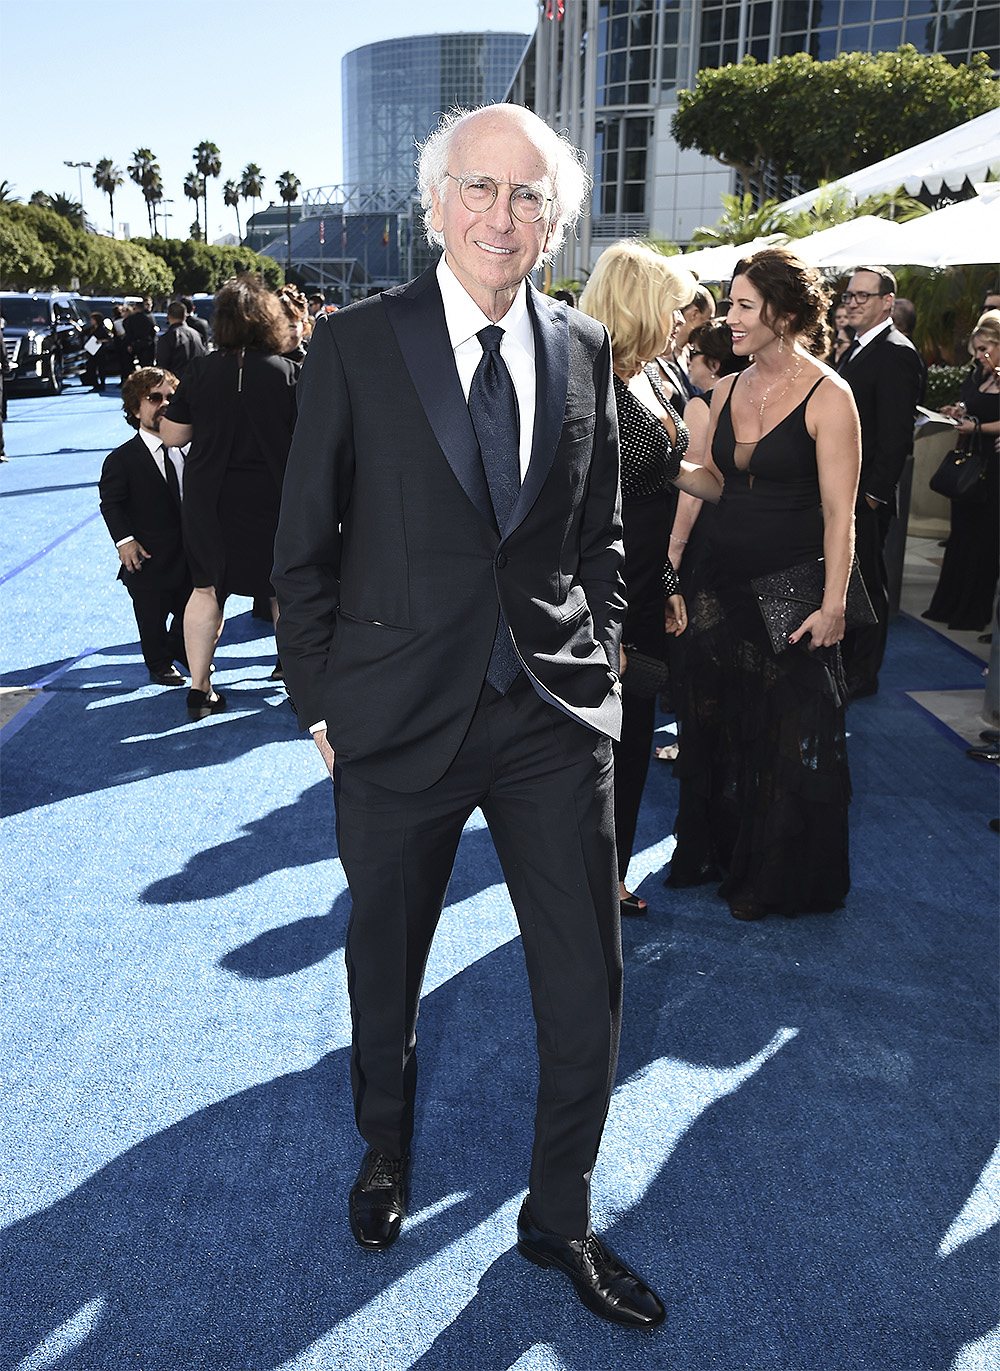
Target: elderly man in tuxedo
pixel 884 371
pixel 140 489
pixel 448 571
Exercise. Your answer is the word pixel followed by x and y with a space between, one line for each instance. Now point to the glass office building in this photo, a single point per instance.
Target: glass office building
pixel 609 73
pixel 394 91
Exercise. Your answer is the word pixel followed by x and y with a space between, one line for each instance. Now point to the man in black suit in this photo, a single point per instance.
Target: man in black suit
pixel 194 320
pixel 180 343
pixel 883 369
pixel 140 334
pixel 448 571
pixel 140 487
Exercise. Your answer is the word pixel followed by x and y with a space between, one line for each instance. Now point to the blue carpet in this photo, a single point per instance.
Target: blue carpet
pixel 800 1154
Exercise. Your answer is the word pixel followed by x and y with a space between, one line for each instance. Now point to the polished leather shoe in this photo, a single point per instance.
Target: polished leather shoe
pixel 379 1198
pixel 604 1283
pixel 168 676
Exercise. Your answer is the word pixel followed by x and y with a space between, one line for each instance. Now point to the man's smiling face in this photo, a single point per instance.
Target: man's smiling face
pixel 491 252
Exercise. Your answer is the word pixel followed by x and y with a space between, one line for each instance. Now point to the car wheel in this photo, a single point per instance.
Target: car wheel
pixel 54 379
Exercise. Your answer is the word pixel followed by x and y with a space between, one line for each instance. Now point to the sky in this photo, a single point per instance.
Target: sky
pixel 260 78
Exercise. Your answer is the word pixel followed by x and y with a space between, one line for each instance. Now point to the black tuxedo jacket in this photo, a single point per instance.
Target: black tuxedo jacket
pixel 176 347
pixel 388 562
pixel 886 378
pixel 136 500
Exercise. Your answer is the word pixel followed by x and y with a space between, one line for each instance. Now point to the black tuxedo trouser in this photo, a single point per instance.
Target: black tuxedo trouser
pixel 864 648
pixel 544 783
pixel 153 604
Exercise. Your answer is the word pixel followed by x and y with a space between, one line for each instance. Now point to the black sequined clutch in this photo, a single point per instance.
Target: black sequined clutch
pixel 788 597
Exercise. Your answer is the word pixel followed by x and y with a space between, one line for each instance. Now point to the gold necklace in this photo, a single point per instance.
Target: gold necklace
pixel 791 374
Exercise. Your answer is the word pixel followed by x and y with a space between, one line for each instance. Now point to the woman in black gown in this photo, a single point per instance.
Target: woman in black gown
pixel 639 294
pixel 964 595
pixel 236 407
pixel 764 784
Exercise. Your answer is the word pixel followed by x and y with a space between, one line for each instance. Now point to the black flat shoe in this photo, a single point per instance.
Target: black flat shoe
pixel 278 673
pixel 200 705
pixel 605 1285
pixel 379 1200
pixel 632 907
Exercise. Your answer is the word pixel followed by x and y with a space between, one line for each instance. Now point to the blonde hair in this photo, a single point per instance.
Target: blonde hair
pixel 989 327
pixel 632 290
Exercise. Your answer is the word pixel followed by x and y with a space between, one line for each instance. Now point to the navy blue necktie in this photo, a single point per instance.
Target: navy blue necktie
pixel 494 413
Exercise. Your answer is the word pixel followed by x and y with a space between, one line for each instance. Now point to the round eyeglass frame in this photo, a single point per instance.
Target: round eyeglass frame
pixel 491 181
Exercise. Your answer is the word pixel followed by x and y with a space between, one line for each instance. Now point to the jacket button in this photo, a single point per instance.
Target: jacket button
pixel 501 560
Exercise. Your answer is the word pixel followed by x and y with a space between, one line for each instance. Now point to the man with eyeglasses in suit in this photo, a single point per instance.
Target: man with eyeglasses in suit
pixel 884 371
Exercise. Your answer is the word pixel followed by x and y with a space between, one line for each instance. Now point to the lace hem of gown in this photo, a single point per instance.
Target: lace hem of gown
pixel 764 781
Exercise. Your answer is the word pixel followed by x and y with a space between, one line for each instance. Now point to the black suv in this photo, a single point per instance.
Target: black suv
pixel 43 339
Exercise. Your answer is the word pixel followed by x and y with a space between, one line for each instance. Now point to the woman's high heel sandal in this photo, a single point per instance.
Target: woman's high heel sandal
pixel 200 705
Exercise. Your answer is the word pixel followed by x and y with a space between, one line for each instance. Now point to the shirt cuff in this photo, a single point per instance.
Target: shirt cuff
pixel 318 728
pixel 122 541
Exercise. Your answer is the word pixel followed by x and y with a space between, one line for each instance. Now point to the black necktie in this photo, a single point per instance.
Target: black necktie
pixel 170 472
pixel 494 413
pixel 850 354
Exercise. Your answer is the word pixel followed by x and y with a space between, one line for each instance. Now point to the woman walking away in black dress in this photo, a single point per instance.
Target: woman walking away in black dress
pixel 236 407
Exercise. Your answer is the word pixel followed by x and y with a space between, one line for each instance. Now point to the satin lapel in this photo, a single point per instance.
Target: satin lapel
pixel 551 386
pixel 417 319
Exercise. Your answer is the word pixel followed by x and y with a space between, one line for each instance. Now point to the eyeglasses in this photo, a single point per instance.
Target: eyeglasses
pixel 479 193
pixel 158 396
pixel 692 353
pixel 861 297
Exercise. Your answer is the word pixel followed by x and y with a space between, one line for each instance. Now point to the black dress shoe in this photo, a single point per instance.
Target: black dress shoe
pixel 989 752
pixel 604 1283
pixel 200 704
pixel 168 676
pixel 379 1199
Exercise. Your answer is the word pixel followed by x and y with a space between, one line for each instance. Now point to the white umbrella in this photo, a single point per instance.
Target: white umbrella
pixel 838 246
pixel 958 235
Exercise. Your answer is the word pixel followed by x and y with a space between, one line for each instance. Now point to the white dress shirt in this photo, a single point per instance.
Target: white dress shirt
pixel 464 319
pixel 159 452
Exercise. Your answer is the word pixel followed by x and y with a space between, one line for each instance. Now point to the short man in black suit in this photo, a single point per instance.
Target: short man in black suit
pixel 140 334
pixel 180 343
pixel 883 369
pixel 448 571
pixel 141 485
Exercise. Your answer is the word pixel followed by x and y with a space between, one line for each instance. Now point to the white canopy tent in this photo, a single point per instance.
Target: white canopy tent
pixel 964 234
pixel 840 244
pixel 716 264
pixel 969 152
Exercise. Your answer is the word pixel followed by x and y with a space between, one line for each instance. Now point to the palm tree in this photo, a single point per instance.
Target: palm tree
pixel 7 196
pixel 145 172
pixel 252 185
pixel 153 193
pixel 231 196
pixel 194 189
pixel 742 222
pixel 208 162
pixel 69 209
pixel 288 188
pixel 107 178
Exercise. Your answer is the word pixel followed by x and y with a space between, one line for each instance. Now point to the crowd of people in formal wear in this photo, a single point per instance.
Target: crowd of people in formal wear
pixel 493 529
